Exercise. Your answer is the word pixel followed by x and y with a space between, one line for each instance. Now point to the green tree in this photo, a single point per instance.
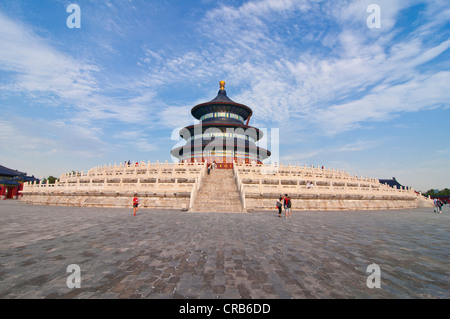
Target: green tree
pixel 435 192
pixel 50 179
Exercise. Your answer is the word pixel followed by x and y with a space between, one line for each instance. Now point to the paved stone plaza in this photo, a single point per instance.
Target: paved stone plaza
pixel 175 254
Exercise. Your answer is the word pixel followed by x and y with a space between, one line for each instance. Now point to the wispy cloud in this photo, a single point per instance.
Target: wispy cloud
pixel 37 138
pixel 37 67
pixel 367 76
pixel 360 145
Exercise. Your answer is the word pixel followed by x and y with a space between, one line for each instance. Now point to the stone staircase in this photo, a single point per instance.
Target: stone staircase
pixel 218 193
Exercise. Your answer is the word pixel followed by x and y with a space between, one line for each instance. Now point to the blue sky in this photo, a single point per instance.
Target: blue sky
pixel 371 101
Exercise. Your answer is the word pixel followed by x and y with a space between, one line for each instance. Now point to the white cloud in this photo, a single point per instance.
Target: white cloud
pixel 175 116
pixel 360 145
pixel 365 78
pixel 35 138
pixel 421 93
pixel 37 67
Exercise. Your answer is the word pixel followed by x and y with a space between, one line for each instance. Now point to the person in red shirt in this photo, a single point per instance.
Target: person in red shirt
pixel 135 204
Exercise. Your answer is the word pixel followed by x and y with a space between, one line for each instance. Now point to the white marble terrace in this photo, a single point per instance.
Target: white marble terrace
pixel 258 186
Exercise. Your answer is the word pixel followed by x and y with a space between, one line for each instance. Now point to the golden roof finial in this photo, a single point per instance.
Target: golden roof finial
pixel 222 85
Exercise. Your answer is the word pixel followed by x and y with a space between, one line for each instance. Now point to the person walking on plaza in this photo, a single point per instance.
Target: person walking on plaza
pixel 439 206
pixel 135 204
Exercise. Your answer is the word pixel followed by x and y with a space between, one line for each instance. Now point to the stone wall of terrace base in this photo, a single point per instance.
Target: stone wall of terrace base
pixel 166 185
pixel 260 202
pixel 177 201
pixel 319 189
pixel 175 186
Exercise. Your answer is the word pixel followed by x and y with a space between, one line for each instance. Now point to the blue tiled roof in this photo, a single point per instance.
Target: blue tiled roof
pixel 391 182
pixel 8 182
pixel 5 171
pixel 9 177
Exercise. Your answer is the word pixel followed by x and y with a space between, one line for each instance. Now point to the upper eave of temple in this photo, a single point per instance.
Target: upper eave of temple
pixel 221 103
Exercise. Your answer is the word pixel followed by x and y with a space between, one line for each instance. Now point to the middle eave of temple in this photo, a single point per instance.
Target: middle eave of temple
pixel 221 103
pixel 252 131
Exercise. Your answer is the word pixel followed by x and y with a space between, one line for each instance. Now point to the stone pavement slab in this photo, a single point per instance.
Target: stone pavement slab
pixel 175 254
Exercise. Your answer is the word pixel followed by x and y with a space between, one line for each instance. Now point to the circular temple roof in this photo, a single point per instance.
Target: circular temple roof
pixel 221 103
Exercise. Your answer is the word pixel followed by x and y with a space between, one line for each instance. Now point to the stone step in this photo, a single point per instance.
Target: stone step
pixel 216 204
pixel 223 197
pixel 215 187
pixel 224 210
pixel 205 189
pixel 214 207
pixel 215 181
pixel 204 201
pixel 218 193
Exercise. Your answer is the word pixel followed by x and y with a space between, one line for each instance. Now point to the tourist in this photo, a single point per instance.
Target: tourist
pixel 287 205
pixel 436 205
pixel 279 206
pixel 135 204
pixel 209 168
pixel 439 205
